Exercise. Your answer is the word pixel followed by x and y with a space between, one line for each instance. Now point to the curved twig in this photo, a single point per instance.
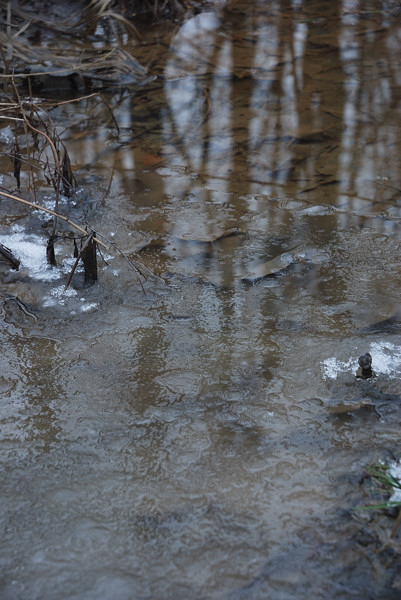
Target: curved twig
pixel 50 212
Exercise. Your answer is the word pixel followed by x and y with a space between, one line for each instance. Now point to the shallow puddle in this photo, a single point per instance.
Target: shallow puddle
pixel 196 429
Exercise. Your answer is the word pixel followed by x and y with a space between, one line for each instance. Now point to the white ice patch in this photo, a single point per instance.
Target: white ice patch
pixel 386 360
pixel 59 295
pixel 6 135
pixel 395 471
pixel 49 201
pixel 333 367
pixel 31 251
pixel 89 306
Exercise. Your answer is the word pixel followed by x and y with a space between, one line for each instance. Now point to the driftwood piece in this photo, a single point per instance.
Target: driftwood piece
pixel 8 255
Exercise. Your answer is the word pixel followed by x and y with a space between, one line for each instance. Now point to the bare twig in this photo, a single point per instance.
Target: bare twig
pixel 80 229
pixel 50 212
pixel 50 142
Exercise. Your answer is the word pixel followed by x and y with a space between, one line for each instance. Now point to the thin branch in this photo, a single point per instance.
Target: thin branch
pixel 51 143
pixel 50 212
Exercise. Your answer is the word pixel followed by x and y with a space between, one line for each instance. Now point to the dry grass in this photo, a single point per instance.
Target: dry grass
pixel 85 38
pixel 33 45
pixel 45 154
pixel 48 39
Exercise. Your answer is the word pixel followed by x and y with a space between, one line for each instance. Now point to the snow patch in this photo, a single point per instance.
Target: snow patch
pixel 386 360
pixel 31 251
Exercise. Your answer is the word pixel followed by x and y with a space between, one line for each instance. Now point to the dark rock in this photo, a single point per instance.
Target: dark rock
pixel 365 364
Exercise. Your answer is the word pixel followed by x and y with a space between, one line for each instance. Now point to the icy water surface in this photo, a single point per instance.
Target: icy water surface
pixel 207 437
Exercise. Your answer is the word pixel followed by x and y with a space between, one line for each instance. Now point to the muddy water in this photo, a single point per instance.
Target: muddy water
pixel 207 438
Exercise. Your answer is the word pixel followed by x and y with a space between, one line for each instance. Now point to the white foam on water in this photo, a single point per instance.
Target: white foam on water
pixel 386 360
